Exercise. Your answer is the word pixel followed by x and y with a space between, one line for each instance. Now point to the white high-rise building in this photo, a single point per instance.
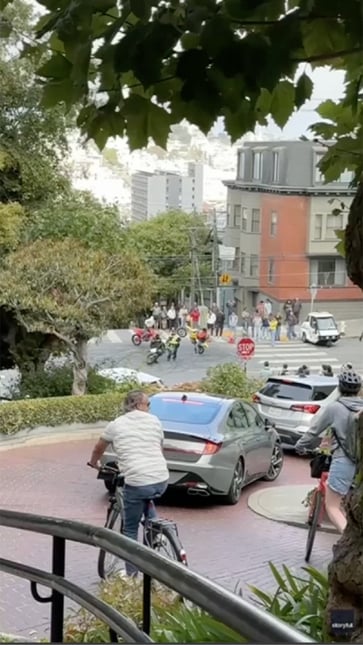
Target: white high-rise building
pixel 158 192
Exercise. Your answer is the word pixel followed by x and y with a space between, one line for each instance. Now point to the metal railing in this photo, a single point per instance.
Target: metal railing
pixel 246 619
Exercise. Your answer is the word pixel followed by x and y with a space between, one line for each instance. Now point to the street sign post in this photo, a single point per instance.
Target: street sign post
pixel 245 350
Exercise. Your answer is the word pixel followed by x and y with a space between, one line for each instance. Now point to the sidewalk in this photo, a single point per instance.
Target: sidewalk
pixel 284 504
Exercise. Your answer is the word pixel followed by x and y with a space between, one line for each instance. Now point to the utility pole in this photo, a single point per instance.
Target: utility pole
pixel 192 261
pixel 215 259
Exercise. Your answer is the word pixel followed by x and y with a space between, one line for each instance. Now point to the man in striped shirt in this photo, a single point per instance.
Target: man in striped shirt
pixel 136 438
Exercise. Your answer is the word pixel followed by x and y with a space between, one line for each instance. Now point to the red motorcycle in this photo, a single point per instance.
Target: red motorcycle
pixel 140 335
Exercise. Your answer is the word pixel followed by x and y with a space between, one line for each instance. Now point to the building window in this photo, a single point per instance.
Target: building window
pixel 271 270
pixel 241 165
pixel 243 263
pixel 257 165
pixel 318 227
pixel 333 222
pixel 244 219
pixel 256 220
pixel 346 177
pixel 236 261
pixel 273 224
pixel 328 272
pixel 237 215
pixel 275 167
pixel 228 218
pixel 318 176
pixel 254 266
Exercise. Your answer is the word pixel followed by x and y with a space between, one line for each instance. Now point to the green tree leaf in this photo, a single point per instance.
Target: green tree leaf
pixel 141 8
pixel 303 90
pixel 282 102
pixel 57 67
pixel 144 120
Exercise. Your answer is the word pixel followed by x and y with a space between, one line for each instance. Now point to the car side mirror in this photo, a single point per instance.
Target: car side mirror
pixel 268 425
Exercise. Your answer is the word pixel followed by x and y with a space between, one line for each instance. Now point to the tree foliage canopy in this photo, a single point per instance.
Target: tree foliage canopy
pixel 63 288
pixel 165 243
pixel 138 66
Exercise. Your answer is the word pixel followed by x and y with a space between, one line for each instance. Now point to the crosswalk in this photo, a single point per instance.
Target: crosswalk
pixel 294 354
pixel 113 336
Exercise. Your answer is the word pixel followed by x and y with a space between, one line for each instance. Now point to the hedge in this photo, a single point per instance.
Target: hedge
pixel 56 411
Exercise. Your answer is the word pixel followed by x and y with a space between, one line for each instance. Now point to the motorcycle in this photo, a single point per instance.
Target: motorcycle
pixel 140 335
pixel 201 346
pixel 154 353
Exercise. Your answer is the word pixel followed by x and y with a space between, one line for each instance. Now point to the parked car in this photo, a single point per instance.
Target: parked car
pixel 122 374
pixel 213 445
pixel 320 328
pixel 290 402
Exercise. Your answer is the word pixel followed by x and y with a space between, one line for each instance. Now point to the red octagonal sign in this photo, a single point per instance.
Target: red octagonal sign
pixel 246 348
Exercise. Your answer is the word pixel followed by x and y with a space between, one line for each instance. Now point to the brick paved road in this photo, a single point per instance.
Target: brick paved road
pixel 232 545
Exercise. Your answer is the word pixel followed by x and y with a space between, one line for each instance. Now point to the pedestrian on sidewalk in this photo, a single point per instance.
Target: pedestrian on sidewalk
pixel 219 326
pixel 273 328
pixel 257 326
pixel 233 322
pixel 211 321
pixel 278 327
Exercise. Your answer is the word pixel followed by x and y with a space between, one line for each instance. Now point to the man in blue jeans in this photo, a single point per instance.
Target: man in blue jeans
pixel 137 440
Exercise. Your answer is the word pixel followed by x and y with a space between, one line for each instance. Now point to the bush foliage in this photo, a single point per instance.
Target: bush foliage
pixel 299 599
pixel 229 379
pixel 172 622
pixel 44 383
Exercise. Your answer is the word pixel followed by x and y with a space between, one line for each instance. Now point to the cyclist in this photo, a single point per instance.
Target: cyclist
pixel 326 370
pixel 136 438
pixel 336 417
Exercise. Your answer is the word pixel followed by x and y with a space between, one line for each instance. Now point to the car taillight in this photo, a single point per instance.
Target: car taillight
pixel 256 398
pixel 310 408
pixel 211 448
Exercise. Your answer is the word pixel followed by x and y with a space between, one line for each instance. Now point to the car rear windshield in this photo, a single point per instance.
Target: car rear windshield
pixel 189 412
pixel 293 391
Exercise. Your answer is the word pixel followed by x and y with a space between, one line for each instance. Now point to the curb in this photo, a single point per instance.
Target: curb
pixel 44 435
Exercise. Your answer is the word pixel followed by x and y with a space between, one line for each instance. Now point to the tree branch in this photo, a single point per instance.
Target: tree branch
pixel 93 303
pixel 326 57
pixel 65 340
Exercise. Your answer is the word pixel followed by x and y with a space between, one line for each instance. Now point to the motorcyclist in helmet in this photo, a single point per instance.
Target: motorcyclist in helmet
pixel 337 418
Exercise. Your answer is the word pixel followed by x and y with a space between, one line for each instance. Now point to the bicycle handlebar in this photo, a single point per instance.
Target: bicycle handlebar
pixel 109 469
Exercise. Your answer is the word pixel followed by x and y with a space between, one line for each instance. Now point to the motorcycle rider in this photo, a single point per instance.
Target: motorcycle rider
pixel 172 345
pixel 201 338
pixel 337 417
pixel 158 344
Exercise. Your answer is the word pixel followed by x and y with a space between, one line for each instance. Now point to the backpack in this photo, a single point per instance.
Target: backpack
pixel 349 442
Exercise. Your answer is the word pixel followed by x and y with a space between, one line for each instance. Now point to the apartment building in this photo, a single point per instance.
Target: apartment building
pixel 281 224
pixel 159 192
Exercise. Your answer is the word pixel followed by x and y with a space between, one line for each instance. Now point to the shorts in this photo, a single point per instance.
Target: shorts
pixel 341 475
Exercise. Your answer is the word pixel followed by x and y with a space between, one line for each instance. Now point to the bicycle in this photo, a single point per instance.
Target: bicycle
pixel 158 534
pixel 317 507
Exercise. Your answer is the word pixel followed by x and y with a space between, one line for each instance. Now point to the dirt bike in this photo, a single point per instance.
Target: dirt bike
pixel 140 335
pixel 154 354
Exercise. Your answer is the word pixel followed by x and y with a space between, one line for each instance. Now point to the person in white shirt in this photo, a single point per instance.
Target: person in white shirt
pixel 211 321
pixel 137 439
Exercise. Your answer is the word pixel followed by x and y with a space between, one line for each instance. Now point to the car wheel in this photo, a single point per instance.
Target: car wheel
pixel 303 337
pixel 277 460
pixel 234 494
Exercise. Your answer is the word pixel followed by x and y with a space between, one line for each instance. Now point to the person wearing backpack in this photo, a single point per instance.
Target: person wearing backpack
pixel 341 418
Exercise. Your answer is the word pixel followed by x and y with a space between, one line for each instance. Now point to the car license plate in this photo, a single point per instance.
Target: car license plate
pixel 275 412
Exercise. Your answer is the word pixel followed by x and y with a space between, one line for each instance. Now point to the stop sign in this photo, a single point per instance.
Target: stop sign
pixel 246 348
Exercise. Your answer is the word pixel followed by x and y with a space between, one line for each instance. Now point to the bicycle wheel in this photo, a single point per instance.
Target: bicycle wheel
pixel 167 543
pixel 313 525
pixel 109 564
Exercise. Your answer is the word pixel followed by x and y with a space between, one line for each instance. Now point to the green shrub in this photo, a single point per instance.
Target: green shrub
pixel 171 621
pixel 299 601
pixel 56 411
pixel 57 381
pixel 229 379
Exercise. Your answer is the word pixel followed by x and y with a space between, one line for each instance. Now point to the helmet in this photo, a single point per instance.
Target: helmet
pixel 349 382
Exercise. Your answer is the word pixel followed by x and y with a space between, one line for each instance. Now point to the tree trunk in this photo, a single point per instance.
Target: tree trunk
pixel 345 572
pixel 354 239
pixel 80 367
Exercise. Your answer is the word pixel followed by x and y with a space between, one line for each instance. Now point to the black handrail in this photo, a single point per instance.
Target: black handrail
pixel 245 618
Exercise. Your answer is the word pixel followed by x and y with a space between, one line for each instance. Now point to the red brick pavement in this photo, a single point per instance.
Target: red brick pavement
pixel 231 545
